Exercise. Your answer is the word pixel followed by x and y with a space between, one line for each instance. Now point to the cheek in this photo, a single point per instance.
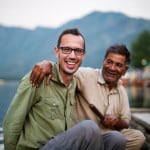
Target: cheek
pixel 106 66
pixel 80 59
pixel 59 56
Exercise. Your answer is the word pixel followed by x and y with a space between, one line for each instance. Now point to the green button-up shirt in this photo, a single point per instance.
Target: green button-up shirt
pixel 36 115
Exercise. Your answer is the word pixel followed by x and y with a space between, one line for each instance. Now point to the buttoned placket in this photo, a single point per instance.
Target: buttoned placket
pixel 68 109
pixel 107 103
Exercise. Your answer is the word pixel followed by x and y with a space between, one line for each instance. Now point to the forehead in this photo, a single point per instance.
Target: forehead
pixel 116 58
pixel 72 40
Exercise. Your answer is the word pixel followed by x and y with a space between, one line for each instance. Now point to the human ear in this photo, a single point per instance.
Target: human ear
pixel 56 51
pixel 126 69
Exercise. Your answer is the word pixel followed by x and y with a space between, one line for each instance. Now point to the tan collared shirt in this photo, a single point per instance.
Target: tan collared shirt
pixel 93 89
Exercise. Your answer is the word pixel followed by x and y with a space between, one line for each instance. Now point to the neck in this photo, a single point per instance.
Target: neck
pixel 111 86
pixel 67 79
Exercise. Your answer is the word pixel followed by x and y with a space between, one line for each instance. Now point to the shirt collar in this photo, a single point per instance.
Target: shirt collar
pixel 55 73
pixel 57 77
pixel 101 81
pixel 100 77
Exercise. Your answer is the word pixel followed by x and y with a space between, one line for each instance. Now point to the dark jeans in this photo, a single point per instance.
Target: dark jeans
pixel 114 140
pixel 83 136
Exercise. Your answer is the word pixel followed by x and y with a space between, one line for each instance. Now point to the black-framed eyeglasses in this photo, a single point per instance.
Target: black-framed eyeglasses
pixel 68 50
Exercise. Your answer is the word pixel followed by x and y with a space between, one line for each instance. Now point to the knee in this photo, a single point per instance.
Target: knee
pixel 114 140
pixel 89 125
pixel 135 138
pixel 140 138
pixel 90 128
pixel 118 138
pixel 90 134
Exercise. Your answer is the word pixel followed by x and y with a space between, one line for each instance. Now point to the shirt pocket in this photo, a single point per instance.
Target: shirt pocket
pixel 52 108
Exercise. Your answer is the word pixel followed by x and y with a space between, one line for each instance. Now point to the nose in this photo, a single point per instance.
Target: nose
pixel 113 66
pixel 72 54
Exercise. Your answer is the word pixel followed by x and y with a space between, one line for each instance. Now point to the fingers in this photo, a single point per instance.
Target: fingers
pixel 48 78
pixel 39 71
pixel 110 121
pixel 35 75
pixel 40 78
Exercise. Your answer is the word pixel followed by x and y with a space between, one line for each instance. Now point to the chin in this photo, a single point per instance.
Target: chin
pixel 71 72
pixel 110 81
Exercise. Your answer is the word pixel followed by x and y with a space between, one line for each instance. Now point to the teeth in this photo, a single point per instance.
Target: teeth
pixel 70 63
pixel 111 73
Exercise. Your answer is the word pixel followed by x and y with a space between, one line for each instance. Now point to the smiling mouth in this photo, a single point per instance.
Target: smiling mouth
pixel 111 74
pixel 70 63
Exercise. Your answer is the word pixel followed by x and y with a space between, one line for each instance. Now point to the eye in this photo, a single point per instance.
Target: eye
pixel 66 48
pixel 109 61
pixel 79 51
pixel 119 65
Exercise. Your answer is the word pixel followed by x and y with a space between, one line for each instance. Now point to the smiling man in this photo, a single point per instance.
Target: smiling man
pixel 115 65
pixel 102 89
pixel 41 118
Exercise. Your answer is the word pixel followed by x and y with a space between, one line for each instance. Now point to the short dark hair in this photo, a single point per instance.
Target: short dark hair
pixel 119 49
pixel 73 31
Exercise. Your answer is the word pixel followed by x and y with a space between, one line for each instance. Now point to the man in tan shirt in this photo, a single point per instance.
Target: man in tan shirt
pixel 101 88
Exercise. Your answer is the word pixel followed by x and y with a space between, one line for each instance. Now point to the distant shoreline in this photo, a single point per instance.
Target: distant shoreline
pixel 4 82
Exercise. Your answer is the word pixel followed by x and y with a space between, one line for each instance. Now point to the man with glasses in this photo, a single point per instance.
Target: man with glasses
pixel 41 118
pixel 100 97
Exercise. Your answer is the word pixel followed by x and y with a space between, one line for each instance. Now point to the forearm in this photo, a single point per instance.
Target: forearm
pixel 114 122
pixel 10 141
pixel 11 132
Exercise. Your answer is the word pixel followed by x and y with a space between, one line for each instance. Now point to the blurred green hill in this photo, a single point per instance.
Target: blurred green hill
pixel 21 48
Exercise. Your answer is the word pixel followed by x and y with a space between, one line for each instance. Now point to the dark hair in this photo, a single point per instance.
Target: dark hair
pixel 119 49
pixel 73 31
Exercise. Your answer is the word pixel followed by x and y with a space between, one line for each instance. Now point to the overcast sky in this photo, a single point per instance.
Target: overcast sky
pixel 52 13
